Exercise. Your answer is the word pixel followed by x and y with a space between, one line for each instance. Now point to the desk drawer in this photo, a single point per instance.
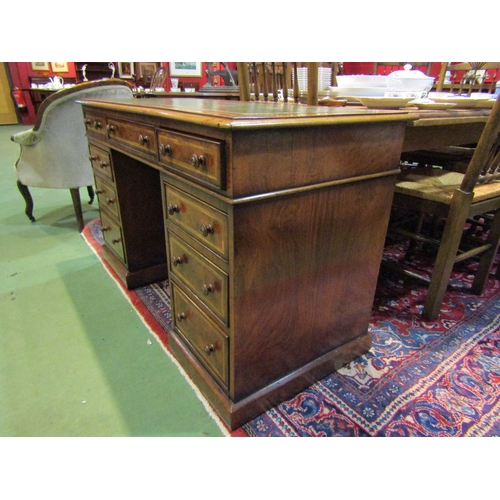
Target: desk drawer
pixel 101 162
pixel 209 343
pixel 202 221
pixel 206 281
pixel 113 237
pixel 107 197
pixel 199 158
pixel 136 135
pixel 95 124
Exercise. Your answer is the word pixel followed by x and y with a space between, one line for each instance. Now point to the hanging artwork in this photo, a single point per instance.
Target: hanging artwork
pixel 185 68
pixel 59 67
pixel 40 66
pixel 126 69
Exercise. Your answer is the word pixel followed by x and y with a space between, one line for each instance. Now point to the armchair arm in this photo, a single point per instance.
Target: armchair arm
pixel 26 138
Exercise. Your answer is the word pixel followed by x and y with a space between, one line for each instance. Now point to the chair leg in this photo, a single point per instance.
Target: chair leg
pixel 75 195
pixel 90 190
pixel 28 199
pixel 445 259
pixel 488 257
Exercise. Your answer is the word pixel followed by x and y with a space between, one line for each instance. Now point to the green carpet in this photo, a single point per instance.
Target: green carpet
pixel 75 359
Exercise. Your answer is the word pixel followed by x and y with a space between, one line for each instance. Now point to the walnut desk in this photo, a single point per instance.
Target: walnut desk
pixel 269 220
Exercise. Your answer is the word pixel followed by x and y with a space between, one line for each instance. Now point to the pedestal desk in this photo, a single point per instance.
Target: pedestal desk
pixel 269 220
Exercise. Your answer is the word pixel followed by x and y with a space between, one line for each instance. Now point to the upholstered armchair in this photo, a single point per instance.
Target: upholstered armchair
pixel 54 153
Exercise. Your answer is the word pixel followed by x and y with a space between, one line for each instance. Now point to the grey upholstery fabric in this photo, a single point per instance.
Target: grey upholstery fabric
pixel 56 155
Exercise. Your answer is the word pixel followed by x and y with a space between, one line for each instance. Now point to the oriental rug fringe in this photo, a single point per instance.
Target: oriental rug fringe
pixel 420 378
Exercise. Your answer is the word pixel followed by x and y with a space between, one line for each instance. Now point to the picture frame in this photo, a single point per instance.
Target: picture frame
pixel 185 69
pixel 126 69
pixel 59 67
pixel 147 70
pixel 40 66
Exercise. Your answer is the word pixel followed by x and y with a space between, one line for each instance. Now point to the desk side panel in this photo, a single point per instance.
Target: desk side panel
pixel 304 277
pixel 276 159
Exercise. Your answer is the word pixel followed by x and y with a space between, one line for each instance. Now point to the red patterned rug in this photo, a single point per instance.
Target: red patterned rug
pixel 437 378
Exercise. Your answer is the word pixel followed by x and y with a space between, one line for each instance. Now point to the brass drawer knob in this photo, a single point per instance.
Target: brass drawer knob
pixel 165 149
pixel 197 161
pixel 110 129
pixel 105 228
pixel 180 317
pixel 103 164
pixel 99 191
pixel 116 240
pixel 110 201
pixel 172 209
pixel 92 158
pixel 87 121
pixel 209 349
pixel 177 261
pixel 97 125
pixel 206 229
pixel 206 289
pixel 143 140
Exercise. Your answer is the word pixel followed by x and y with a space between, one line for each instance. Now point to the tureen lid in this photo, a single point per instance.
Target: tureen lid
pixel 408 73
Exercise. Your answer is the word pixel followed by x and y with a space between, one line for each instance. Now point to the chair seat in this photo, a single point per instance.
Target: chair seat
pixel 438 185
pixel 456 158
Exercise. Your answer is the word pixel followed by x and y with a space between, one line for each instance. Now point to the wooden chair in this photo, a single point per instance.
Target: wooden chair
pixel 467 77
pixel 455 197
pixel 54 153
pixel 267 78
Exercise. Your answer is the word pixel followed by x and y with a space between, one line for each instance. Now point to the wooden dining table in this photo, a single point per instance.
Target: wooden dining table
pixel 441 128
pixel 269 221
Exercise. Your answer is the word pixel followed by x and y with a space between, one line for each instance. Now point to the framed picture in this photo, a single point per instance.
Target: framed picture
pixel 146 71
pixel 126 69
pixel 39 66
pixel 59 67
pixel 185 69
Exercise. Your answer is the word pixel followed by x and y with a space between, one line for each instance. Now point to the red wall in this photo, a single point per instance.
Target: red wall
pixel 22 71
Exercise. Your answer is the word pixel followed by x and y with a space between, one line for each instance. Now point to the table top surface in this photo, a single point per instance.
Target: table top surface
pixel 239 114
pixel 226 113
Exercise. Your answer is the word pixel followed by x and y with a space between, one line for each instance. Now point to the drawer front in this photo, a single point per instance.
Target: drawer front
pixel 101 162
pixel 202 221
pixel 199 158
pixel 95 124
pixel 113 237
pixel 208 342
pixel 107 197
pixel 208 282
pixel 136 135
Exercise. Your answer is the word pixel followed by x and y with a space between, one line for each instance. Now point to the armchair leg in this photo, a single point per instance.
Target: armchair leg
pixel 75 195
pixel 28 199
pixel 90 190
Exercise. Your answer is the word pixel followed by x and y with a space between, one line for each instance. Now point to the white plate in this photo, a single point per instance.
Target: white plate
pixel 434 105
pixel 358 91
pixel 486 103
pixel 461 102
pixel 385 102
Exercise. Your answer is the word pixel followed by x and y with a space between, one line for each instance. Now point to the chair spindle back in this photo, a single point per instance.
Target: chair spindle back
pixel 268 78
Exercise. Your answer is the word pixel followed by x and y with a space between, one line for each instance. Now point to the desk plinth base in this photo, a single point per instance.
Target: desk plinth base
pixel 234 415
pixel 134 279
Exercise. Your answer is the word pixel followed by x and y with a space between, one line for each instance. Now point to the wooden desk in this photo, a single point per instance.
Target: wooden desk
pixel 271 220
